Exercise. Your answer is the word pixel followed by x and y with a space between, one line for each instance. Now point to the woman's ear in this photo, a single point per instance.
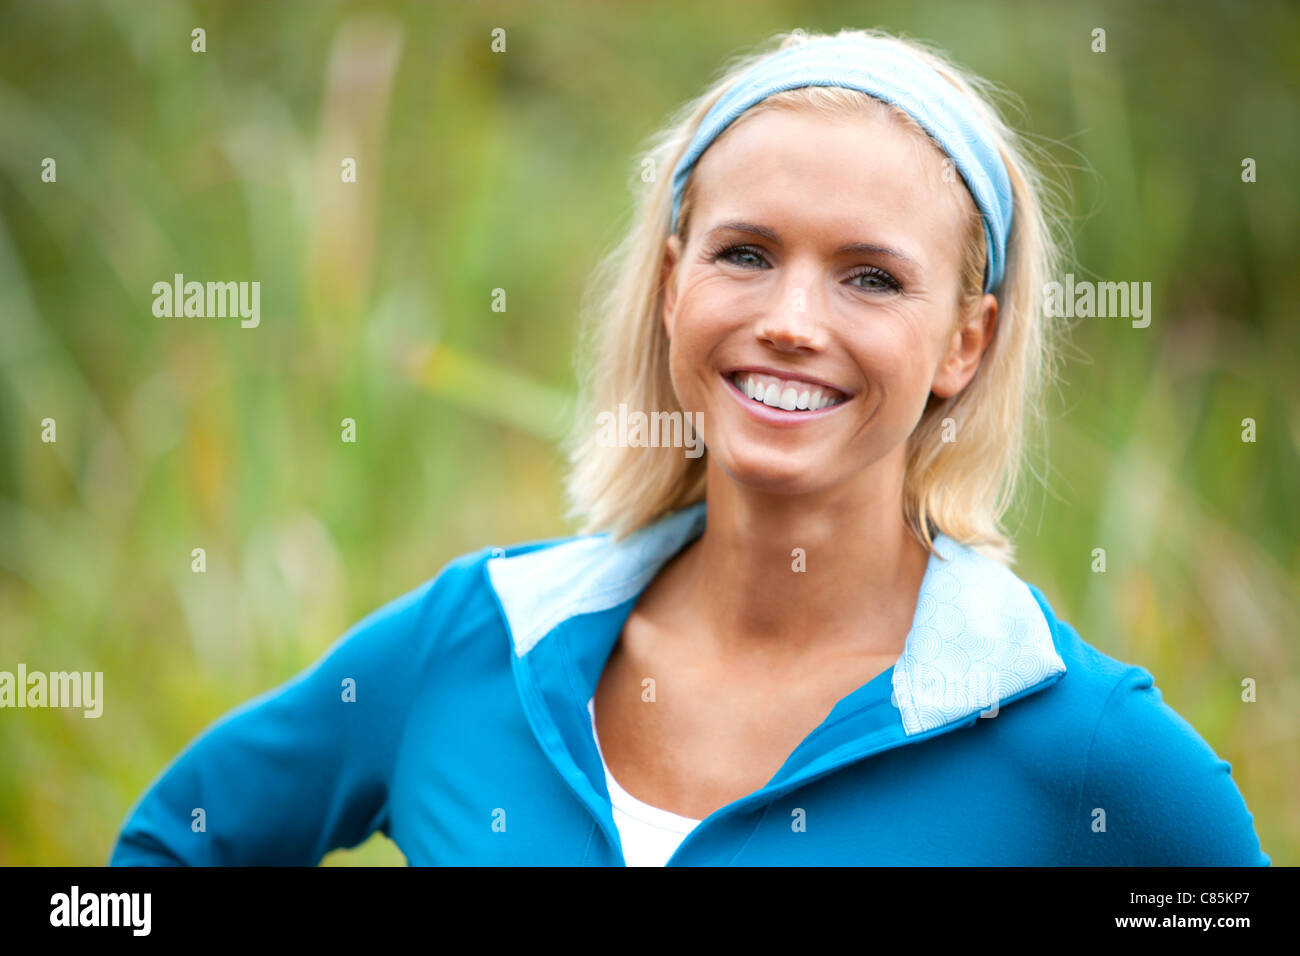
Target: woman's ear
pixel 966 348
pixel 668 281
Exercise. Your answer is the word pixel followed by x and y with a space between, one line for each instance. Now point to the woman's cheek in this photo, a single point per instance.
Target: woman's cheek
pixel 688 357
pixel 896 358
pixel 696 336
pixel 896 387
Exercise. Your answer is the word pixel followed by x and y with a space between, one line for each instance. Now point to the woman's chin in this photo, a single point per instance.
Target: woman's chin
pixel 788 473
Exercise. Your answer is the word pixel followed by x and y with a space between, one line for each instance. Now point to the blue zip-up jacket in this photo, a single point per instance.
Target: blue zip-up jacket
pixel 454 720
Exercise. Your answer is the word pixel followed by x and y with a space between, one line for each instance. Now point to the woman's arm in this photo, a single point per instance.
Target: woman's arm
pixel 300 770
pixel 1169 800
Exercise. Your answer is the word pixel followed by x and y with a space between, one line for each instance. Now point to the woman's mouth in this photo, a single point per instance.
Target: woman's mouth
pixel 789 394
pixel 781 400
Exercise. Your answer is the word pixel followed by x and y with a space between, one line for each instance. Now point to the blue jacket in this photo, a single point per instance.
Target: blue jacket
pixel 454 720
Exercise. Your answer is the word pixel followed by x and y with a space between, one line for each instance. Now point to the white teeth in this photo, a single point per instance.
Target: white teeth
pixel 787 395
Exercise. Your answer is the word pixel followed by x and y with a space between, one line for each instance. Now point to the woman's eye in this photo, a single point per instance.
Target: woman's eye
pixel 748 257
pixel 877 280
pixel 736 254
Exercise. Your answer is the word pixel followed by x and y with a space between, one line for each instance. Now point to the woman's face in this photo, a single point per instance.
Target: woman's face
pixel 822 266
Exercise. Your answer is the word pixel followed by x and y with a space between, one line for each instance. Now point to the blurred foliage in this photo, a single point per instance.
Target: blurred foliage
pixel 480 171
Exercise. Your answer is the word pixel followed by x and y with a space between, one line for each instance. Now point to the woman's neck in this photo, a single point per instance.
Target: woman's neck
pixel 777 574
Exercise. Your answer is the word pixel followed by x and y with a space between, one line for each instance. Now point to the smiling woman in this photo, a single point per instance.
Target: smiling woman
pixel 889 216
pixel 804 646
pixel 823 297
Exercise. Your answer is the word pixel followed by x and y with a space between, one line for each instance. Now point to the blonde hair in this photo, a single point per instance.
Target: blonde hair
pixel 961 488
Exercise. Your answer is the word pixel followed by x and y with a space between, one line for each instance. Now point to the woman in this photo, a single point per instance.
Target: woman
pixel 837 666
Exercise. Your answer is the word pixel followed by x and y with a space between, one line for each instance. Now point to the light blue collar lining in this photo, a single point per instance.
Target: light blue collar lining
pixel 978 636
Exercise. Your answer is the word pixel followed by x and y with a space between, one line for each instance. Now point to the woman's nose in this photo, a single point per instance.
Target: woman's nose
pixel 790 323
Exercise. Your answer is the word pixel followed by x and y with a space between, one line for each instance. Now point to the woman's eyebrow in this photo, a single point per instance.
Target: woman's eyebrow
pixel 859 248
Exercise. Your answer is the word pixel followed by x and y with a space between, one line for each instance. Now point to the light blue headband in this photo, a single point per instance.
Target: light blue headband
pixel 895 75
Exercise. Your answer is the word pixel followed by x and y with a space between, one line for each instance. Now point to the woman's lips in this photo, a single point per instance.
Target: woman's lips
pixel 775 415
pixel 785 392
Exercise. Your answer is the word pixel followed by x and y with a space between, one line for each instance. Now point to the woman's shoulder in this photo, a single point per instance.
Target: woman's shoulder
pixel 1107 696
pixel 473 591
pixel 468 575
pixel 1151 789
pixel 1157 790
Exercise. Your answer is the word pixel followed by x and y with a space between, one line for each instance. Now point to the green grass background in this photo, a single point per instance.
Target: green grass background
pixel 480 171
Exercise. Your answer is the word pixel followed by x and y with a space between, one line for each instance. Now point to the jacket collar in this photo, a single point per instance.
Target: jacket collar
pixel 978 637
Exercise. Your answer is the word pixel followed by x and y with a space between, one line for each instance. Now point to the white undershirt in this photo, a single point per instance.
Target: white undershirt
pixel 649 835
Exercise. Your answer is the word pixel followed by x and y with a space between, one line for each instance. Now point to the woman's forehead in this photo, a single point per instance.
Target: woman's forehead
pixel 829 173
